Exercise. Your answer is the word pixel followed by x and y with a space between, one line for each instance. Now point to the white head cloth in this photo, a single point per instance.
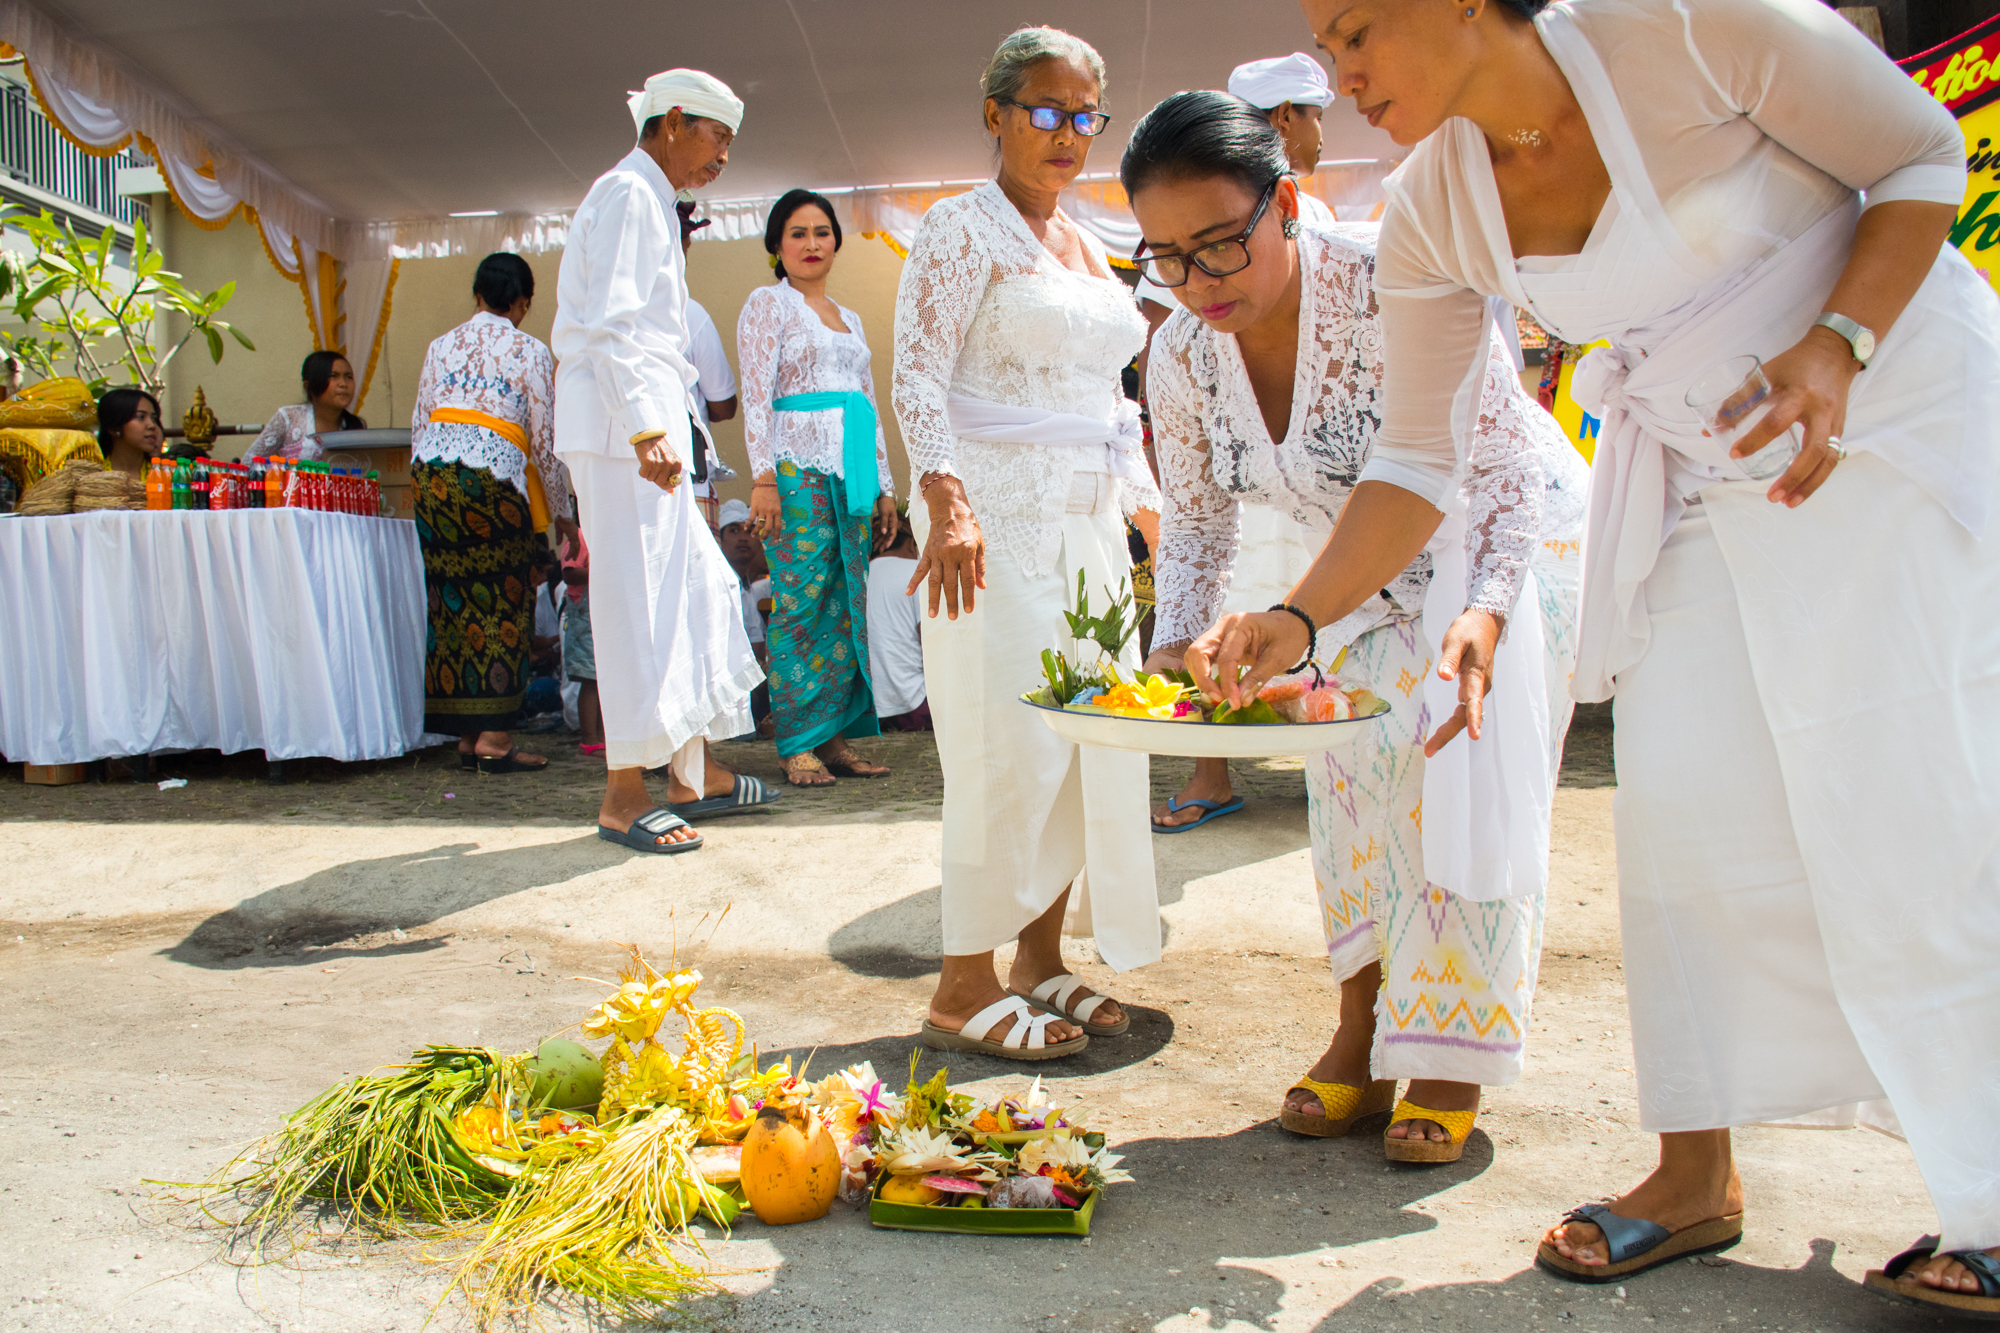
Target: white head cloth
pixel 1296 78
pixel 733 511
pixel 695 93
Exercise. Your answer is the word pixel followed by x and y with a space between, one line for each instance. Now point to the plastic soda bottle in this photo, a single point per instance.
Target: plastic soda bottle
pixel 374 503
pixel 183 484
pixel 157 495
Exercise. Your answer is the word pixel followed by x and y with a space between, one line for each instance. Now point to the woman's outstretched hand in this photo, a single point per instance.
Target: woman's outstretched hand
pixel 1809 387
pixel 1269 643
pixel 1469 648
pixel 954 556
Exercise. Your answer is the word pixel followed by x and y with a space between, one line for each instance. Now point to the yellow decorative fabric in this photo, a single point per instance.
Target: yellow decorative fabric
pixel 1458 1124
pixel 538 499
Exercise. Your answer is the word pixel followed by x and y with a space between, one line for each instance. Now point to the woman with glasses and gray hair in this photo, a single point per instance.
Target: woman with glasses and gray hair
pixel 1266 390
pixel 1011 333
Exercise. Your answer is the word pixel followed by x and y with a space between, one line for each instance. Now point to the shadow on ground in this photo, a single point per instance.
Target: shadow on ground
pixel 337 912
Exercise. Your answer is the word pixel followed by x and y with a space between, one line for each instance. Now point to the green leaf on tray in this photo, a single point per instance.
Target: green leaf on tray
pixel 1255 713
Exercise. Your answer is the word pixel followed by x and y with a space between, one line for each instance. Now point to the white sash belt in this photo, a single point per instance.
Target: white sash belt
pixel 1651 455
pixel 1120 437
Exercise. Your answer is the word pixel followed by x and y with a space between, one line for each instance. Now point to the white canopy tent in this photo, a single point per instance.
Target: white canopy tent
pixel 361 132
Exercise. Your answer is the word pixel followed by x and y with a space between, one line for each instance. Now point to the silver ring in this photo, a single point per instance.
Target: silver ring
pixel 1839 449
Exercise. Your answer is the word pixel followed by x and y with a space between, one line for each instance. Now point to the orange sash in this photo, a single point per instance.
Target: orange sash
pixel 538 500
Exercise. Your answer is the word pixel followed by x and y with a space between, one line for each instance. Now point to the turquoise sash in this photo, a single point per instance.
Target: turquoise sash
pixel 857 442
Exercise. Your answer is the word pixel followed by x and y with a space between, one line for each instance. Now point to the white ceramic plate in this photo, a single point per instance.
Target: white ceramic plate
pixel 1200 740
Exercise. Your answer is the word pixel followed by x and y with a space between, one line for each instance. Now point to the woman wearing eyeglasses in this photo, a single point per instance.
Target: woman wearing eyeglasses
pixel 1011 333
pixel 1266 390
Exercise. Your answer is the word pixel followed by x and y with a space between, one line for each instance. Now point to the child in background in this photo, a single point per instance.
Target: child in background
pixel 579 653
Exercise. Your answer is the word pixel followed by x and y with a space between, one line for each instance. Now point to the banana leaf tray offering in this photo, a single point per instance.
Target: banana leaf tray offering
pixel 1017 1166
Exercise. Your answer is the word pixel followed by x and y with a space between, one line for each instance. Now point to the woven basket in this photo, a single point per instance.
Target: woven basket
pixel 56 493
pixel 109 490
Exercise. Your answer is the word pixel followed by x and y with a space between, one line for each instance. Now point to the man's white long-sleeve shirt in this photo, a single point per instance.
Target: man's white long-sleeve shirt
pixel 621 334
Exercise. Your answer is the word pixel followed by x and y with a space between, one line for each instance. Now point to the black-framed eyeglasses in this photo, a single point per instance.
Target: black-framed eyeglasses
pixel 1089 124
pixel 1218 259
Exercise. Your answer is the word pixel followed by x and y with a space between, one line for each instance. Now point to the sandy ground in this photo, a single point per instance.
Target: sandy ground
pixel 179 969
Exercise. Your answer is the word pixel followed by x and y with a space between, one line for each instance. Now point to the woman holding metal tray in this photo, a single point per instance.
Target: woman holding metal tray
pixel 1266 389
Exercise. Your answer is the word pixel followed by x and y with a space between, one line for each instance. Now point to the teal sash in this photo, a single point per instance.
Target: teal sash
pixel 857 442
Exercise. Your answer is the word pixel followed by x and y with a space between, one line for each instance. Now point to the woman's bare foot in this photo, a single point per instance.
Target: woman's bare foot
pixel 1438 1095
pixel 1347 1056
pixel 1209 783
pixel 1947 1274
pixel 1022 980
pixel 1696 1181
pixel 1038 956
pixel 498 745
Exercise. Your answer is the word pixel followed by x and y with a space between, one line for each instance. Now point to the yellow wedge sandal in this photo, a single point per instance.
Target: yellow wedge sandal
pixel 1341 1103
pixel 1458 1124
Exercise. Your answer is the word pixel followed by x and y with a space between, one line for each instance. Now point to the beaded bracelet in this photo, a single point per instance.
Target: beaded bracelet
pixel 1312 635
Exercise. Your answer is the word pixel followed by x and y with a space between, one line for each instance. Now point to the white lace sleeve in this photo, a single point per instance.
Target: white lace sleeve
pixel 943 280
pixel 1199 520
pixel 760 331
pixel 538 386
pixel 1503 490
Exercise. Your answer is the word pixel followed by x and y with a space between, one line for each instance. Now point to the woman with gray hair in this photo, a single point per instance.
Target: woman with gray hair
pixel 1011 333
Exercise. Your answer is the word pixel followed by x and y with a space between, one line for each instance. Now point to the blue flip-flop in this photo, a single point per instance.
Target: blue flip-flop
pixel 1215 810
pixel 646 828
pixel 748 794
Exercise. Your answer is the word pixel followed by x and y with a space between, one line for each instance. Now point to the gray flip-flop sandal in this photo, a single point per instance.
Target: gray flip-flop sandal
pixel 641 837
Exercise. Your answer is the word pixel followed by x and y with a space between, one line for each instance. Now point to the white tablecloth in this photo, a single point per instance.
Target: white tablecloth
pixel 290 631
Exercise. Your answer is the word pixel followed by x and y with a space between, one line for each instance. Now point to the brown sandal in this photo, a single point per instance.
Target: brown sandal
pixel 805 761
pixel 851 765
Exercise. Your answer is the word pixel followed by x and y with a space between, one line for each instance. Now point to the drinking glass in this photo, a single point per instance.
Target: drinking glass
pixel 1726 397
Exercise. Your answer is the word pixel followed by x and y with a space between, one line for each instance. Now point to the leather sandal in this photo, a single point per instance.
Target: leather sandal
pixel 509 763
pixel 1053 997
pixel 1027 1038
pixel 1893 1280
pixel 1340 1104
pixel 805 761
pixel 1633 1245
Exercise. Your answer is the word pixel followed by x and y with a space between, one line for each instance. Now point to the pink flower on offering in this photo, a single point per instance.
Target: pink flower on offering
pixel 1186 708
pixel 1328 703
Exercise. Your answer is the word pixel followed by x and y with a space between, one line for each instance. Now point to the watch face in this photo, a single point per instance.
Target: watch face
pixel 1864 345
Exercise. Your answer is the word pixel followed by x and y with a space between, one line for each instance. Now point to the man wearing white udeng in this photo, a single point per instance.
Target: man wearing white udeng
pixel 673 663
pixel 1011 333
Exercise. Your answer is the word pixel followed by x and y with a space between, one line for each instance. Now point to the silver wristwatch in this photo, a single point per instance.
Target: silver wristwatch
pixel 1862 340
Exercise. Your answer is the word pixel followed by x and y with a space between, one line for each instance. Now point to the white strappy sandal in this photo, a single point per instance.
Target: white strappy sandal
pixel 1026 1039
pixel 1053 997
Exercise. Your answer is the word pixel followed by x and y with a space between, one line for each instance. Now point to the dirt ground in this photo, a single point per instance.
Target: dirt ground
pixel 181 968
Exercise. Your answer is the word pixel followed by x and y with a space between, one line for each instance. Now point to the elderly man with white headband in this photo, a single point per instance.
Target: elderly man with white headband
pixel 674 666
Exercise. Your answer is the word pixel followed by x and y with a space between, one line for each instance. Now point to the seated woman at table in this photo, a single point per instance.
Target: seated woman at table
pixel 293 430
pixel 128 430
pixel 485 479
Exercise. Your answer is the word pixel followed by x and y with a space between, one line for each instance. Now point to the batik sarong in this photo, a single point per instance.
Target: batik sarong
pixel 478 544
pixel 818 635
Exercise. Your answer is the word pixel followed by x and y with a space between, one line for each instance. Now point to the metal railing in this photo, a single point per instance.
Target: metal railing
pixel 35 152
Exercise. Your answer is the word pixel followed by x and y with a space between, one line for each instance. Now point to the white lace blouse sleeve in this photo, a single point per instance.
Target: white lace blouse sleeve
pixel 943 280
pixel 885 479
pixel 1808 78
pixel 420 414
pixel 538 386
pixel 1504 488
pixel 760 336
pixel 1199 520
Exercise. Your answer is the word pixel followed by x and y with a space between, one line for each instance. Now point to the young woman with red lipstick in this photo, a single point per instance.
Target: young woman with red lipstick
pixel 820 474
pixel 1266 391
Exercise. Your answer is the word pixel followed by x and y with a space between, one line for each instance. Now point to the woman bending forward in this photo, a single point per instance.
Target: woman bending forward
pixel 1266 390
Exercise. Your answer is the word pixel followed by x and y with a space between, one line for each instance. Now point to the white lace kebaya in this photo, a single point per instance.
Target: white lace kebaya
pixel 488 365
pixel 783 348
pixel 984 311
pixel 1524 484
